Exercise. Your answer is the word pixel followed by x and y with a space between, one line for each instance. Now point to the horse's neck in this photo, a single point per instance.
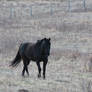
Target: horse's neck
pixel 37 45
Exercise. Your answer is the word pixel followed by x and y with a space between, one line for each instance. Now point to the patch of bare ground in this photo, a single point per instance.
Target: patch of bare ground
pixel 69 66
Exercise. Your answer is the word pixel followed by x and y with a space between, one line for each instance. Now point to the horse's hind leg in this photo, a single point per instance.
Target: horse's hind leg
pixel 39 69
pixel 25 68
pixel 23 72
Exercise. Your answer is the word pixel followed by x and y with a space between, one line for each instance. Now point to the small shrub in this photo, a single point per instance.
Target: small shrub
pixel 22 90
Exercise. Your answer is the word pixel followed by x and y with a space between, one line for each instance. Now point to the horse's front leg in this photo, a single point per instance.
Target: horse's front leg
pixel 39 69
pixel 44 67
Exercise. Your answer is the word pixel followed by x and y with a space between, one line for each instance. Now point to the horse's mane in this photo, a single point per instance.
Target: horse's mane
pixel 40 41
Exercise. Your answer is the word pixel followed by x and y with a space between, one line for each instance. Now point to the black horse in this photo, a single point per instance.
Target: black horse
pixel 37 52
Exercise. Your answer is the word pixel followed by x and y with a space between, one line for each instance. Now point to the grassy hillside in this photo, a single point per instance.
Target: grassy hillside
pixel 70 64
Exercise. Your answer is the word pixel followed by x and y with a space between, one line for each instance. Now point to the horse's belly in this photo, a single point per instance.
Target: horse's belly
pixel 36 59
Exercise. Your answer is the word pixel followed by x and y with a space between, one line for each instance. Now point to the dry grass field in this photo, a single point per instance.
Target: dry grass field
pixel 70 64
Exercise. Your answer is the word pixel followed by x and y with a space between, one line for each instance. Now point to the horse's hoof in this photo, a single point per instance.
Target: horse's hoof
pixel 23 75
pixel 28 75
pixel 39 75
pixel 44 77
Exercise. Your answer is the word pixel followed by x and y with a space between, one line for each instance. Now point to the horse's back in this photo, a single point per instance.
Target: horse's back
pixel 25 47
pixel 30 50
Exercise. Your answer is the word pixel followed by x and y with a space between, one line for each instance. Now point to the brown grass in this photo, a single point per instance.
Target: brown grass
pixel 69 66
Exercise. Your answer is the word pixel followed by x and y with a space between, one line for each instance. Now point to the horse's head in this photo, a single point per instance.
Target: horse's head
pixel 45 46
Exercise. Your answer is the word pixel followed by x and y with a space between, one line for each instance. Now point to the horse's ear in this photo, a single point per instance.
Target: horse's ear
pixel 44 38
pixel 49 39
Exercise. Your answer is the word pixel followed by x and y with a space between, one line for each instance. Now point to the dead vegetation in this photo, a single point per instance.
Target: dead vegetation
pixel 70 63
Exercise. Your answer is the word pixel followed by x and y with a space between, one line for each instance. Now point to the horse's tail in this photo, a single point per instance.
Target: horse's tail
pixel 16 60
